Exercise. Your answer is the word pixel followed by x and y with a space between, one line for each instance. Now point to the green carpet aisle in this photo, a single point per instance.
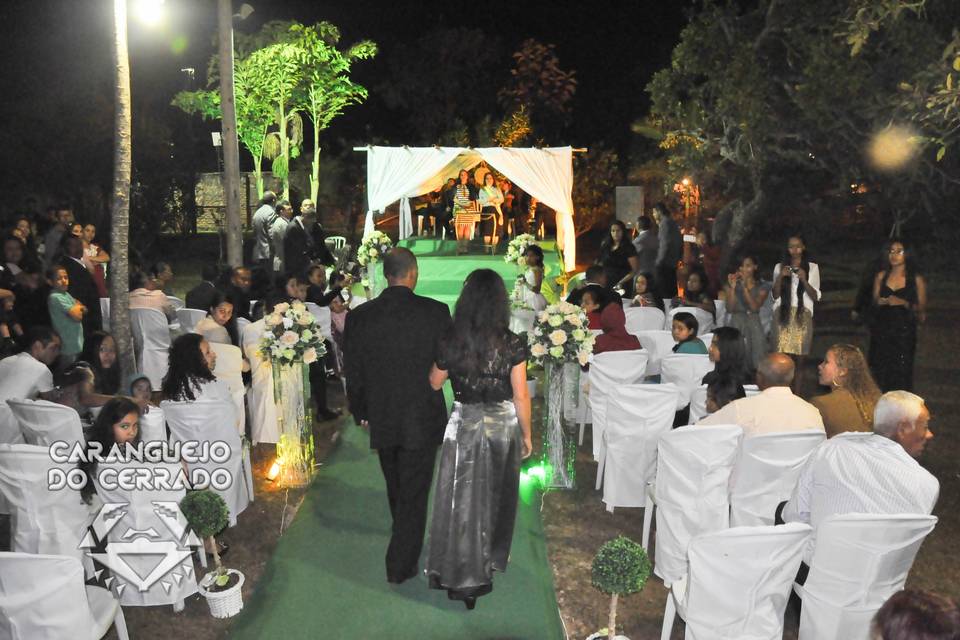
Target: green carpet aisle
pixel 326 578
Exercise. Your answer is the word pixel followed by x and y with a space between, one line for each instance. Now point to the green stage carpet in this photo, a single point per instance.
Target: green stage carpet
pixel 326 578
pixel 442 272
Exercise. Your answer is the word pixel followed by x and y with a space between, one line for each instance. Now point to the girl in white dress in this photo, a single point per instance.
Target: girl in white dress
pixel 533 279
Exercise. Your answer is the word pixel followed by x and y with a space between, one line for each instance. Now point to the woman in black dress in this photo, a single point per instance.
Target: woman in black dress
pixel 475 500
pixel 618 257
pixel 900 296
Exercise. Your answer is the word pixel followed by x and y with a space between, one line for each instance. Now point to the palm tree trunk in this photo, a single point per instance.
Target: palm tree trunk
pixel 120 198
pixel 231 146
pixel 315 178
pixel 284 152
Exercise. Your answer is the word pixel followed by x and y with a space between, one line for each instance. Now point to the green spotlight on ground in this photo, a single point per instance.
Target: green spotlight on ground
pixel 533 478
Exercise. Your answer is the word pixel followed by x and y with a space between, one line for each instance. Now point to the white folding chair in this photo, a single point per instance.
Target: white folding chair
pixel 738 583
pixel 322 316
pixel 264 420
pixel 636 416
pixel 211 418
pixel 42 520
pixel 153 426
pixel 105 313
pixel 766 473
pixel 143 510
pixel 643 319
pixel 691 492
pixel 657 344
pixel 43 423
pixel 335 242
pixel 43 597
pixel 151 338
pixel 721 306
pixel 706 338
pixel 175 302
pixel 859 560
pixel 229 370
pixel 705 319
pixel 685 370
pixel 253 305
pixel 189 318
pixel 607 372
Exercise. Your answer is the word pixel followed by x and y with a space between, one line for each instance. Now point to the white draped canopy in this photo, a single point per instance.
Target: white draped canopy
pixel 401 173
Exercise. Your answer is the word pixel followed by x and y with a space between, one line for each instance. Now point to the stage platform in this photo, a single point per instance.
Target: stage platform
pixel 442 271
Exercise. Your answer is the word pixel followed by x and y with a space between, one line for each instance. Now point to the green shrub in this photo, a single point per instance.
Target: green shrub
pixel 621 566
pixel 205 511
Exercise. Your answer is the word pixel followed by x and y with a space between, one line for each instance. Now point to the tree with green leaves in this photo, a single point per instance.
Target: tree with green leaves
pixel 538 83
pixel 326 89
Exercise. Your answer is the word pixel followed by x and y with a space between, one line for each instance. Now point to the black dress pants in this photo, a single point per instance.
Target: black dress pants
pixel 408 474
pixel 666 281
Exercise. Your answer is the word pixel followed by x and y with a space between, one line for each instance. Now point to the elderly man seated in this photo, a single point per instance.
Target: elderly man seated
pixel 775 408
pixel 875 472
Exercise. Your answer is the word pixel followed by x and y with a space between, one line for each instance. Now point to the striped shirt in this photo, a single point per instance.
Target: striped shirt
pixel 859 473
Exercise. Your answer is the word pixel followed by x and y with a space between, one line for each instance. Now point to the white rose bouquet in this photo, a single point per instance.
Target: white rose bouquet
pixel 373 247
pixel 561 335
pixel 517 247
pixel 291 335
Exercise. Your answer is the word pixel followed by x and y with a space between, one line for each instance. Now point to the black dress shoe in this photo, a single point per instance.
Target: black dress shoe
pixel 392 579
pixel 470 602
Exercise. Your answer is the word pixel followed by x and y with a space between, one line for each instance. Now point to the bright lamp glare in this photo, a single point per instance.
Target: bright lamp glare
pixel 150 11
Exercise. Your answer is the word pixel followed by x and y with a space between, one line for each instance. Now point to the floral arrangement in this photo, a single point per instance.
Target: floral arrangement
pixel 292 335
pixel 518 247
pixel 518 299
pixel 373 247
pixel 560 335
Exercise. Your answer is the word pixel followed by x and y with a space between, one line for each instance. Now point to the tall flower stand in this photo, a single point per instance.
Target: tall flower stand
pixel 295 454
pixel 375 283
pixel 560 433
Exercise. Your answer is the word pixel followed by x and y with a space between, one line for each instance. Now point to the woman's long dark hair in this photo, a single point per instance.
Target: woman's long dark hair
pixel 187 370
pixel 910 269
pixel 107 381
pixel 102 433
pixel 607 244
pixel 786 295
pixel 481 321
pixel 733 354
pixel 219 297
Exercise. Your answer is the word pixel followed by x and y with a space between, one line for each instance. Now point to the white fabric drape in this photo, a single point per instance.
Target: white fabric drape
pixel 396 172
pixel 547 175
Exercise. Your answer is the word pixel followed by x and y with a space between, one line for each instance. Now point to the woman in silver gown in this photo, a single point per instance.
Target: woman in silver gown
pixel 475 501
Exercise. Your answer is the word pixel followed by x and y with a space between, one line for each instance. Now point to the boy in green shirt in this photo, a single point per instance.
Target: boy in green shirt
pixel 66 314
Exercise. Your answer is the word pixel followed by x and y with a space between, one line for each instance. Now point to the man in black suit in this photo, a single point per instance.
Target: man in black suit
pixel 82 286
pixel 239 291
pixel 390 345
pixel 319 236
pixel 595 279
pixel 201 296
pixel 299 249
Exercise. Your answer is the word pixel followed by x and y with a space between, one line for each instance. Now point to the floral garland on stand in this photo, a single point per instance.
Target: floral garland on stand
pixel 372 249
pixel 561 341
pixel 291 342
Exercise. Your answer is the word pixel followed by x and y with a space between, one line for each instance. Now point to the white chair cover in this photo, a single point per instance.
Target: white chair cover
pixel 698 400
pixel 229 370
pixel 657 344
pixel 105 313
pixel 141 513
pixel 43 597
pixel 189 318
pixel 41 520
pixel 175 302
pixel 738 583
pixel 153 426
pixel 210 419
pixel 607 372
pixel 636 416
pixel 859 561
pixel 643 319
pixel 151 337
pixel 10 432
pixel 706 338
pixel 322 316
pixel 721 306
pixel 704 319
pixel 241 324
pixel 43 423
pixel 264 419
pixel 766 473
pixel 691 492
pixel 685 370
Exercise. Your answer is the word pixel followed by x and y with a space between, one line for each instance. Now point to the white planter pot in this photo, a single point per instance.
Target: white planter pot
pixel 532 387
pixel 223 604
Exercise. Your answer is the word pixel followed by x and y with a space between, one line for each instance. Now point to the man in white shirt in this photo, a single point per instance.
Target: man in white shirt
pixel 869 472
pixel 27 374
pixel 775 409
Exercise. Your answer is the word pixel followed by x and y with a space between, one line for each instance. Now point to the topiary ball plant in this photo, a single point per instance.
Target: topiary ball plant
pixel 620 567
pixel 207 514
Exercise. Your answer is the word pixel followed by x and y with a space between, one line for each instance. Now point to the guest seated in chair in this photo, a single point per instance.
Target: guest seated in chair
pixel 728 353
pixel 101 353
pixel 76 388
pixel 853 394
pixel 27 374
pixel 695 293
pixel 721 392
pixel 643 293
pixel 593 278
pixel 614 336
pixel 916 615
pixel 684 331
pixel 869 472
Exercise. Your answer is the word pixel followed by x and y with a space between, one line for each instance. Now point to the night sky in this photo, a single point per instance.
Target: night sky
pixel 58 52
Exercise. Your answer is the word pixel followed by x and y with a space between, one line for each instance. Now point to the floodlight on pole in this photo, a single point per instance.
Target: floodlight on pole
pixel 150 12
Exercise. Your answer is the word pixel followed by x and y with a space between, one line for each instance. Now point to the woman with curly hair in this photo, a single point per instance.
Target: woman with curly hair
pixel 190 374
pixel 101 352
pixel 853 393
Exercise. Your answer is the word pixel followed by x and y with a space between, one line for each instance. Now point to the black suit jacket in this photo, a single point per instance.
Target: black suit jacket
pixel 322 252
pixel 298 248
pixel 390 344
pixel 241 301
pixel 84 289
pixel 201 296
